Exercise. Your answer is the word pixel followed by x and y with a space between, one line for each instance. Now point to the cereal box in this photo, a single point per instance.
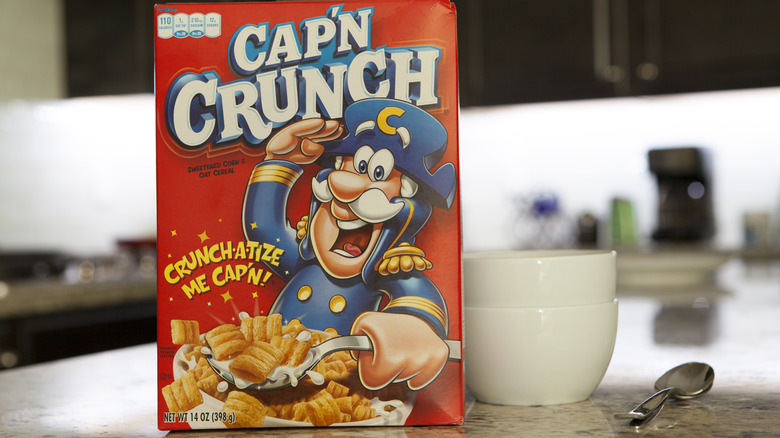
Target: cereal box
pixel 308 214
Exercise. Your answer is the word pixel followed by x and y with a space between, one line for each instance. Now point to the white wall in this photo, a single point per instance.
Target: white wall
pixel 78 174
pixel 588 152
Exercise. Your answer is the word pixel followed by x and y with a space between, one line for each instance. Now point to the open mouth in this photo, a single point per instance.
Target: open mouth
pixel 352 242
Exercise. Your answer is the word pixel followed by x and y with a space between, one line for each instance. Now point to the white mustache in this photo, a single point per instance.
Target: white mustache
pixel 372 206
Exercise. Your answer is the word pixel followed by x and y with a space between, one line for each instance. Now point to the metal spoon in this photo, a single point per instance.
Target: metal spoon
pixel 282 377
pixel 682 382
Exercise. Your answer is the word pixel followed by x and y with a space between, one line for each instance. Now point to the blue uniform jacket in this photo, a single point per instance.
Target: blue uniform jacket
pixel 311 296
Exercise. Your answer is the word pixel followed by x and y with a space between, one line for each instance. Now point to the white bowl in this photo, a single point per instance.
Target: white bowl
pixel 538 356
pixel 539 278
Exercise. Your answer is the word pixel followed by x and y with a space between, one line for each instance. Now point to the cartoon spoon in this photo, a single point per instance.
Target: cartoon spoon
pixel 282 377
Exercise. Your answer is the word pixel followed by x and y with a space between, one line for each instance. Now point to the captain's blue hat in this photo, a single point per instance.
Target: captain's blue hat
pixel 416 139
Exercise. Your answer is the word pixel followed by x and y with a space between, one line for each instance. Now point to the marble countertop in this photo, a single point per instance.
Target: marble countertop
pixel 732 325
pixel 47 296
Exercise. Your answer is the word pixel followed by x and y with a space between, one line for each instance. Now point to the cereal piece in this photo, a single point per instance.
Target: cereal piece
pixel 320 393
pixel 195 353
pixel 339 356
pixel 294 351
pixel 248 411
pixel 298 354
pixel 274 325
pixel 360 400
pixel 226 341
pixel 336 389
pixel 283 343
pixel 184 332
pixel 262 328
pixel 362 412
pixel 332 370
pixel 271 412
pixel 182 394
pixel 351 367
pixel 251 325
pixel 284 411
pixel 323 411
pixel 293 328
pixel 207 379
pixel 345 404
pixel 299 412
pixel 209 385
pixel 256 362
pixel 318 338
pixel 202 369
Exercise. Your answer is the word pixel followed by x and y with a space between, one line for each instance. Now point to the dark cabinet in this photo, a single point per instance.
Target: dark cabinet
pixel 701 45
pixel 510 51
pixel 109 47
pixel 514 51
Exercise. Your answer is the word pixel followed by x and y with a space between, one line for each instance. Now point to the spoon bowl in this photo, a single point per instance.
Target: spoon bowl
pixel 683 382
pixel 689 380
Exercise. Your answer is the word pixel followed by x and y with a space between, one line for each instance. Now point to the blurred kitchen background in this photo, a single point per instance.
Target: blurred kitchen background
pixel 644 125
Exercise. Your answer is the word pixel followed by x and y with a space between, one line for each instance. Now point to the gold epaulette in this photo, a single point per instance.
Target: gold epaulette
pixel 403 257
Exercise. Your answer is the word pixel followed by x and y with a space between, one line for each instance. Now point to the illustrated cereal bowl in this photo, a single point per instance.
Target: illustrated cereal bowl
pixel 538 355
pixel 539 278
pixel 200 416
pixel 205 400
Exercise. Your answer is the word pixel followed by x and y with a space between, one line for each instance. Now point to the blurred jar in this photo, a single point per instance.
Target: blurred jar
pixel 541 224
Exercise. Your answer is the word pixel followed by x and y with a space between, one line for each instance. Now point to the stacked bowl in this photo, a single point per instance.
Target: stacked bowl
pixel 540 325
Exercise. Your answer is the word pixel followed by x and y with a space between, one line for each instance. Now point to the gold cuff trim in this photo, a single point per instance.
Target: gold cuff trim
pixel 274 173
pixel 423 304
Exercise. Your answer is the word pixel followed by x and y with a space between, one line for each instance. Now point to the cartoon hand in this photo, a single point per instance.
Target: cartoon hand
pixel 405 349
pixel 299 142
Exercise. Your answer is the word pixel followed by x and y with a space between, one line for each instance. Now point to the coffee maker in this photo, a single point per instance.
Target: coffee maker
pixel 684 182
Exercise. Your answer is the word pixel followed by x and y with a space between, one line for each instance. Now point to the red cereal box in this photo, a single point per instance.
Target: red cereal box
pixel 308 214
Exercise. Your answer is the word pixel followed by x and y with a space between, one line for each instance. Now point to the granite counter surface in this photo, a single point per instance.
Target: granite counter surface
pixel 48 296
pixel 733 325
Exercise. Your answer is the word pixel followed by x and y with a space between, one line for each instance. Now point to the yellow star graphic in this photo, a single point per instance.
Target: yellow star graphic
pixel 203 236
pixel 254 294
pixel 169 256
pixel 254 225
pixel 226 296
pixel 170 299
pixel 173 233
pixel 209 304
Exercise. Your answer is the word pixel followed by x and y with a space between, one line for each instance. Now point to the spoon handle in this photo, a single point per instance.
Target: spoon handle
pixel 648 408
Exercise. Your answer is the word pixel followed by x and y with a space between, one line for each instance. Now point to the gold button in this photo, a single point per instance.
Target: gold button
pixel 337 304
pixel 304 293
pixel 331 331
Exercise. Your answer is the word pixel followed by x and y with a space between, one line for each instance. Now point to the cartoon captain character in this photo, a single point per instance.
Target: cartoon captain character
pixel 356 246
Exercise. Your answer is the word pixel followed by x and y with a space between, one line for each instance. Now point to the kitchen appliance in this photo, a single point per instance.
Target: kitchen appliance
pixel 684 194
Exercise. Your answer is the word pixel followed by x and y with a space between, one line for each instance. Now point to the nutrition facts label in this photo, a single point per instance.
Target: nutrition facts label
pixel 189 25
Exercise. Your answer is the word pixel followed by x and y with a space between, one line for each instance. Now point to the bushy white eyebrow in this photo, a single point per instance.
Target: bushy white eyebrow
pixel 365 126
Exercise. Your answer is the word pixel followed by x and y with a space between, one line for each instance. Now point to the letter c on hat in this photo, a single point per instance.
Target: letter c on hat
pixel 381 119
